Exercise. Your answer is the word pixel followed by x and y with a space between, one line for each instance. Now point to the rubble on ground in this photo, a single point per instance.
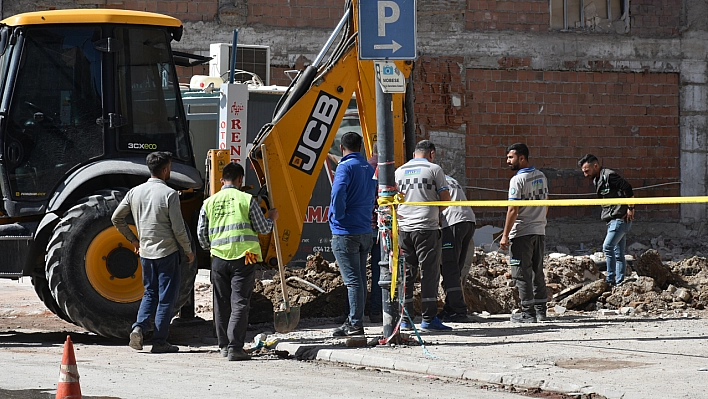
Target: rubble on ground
pixel 576 283
pixel 658 281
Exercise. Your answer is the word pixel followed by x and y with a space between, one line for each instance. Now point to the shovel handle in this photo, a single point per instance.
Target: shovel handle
pixel 276 236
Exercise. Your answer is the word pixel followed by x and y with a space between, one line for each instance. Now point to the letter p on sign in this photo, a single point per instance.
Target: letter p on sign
pixel 383 19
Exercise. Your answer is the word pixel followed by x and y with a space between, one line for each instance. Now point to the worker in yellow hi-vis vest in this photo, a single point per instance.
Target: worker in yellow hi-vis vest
pixel 228 225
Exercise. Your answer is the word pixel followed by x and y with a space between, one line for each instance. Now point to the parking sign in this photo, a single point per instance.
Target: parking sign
pixel 387 30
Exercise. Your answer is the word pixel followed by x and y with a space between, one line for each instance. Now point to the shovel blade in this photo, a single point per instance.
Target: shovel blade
pixel 286 321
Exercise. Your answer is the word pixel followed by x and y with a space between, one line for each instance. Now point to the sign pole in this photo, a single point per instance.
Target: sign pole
pixel 387 189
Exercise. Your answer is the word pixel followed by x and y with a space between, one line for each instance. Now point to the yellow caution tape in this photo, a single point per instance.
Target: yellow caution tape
pixel 399 199
pixel 391 201
pixel 566 202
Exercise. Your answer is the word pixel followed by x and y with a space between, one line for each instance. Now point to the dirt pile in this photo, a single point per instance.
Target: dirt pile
pixel 318 289
pixel 489 287
pixel 576 282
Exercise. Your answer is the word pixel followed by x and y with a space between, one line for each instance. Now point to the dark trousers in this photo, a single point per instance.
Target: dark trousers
pixel 421 251
pixel 233 283
pixel 455 244
pixel 527 271
pixel 161 279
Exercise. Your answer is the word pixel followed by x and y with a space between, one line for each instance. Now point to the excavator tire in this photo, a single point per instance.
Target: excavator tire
pixel 92 272
pixel 41 287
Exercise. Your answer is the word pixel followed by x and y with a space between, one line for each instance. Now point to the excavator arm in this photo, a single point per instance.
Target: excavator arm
pixel 304 126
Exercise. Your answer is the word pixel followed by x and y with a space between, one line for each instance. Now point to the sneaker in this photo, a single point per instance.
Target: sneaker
pixel 541 317
pixel 523 317
pixel 136 338
pixel 237 355
pixel 434 325
pixel 165 347
pixel 376 317
pixel 347 330
pixel 406 325
pixel 224 351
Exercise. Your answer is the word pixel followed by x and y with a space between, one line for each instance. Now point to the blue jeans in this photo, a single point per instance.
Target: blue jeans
pixel 613 247
pixel 376 297
pixel 161 278
pixel 351 251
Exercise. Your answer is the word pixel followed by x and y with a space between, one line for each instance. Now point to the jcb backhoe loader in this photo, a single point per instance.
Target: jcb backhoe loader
pixel 85 95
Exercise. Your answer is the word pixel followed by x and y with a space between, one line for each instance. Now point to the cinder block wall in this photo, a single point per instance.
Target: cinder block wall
pixel 491 73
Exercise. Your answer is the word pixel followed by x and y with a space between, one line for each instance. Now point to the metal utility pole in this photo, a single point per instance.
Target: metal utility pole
pixel 387 32
pixel 387 189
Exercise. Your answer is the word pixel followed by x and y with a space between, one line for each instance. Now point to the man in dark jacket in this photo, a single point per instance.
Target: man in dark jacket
pixel 608 184
pixel 351 202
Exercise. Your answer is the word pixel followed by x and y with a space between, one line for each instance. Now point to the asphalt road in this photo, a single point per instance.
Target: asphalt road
pixel 31 347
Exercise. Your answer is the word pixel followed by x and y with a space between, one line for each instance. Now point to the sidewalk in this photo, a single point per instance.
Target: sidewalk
pixel 614 356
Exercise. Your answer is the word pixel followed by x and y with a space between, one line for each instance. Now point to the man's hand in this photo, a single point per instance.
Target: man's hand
pixel 272 214
pixel 629 216
pixel 190 258
pixel 136 244
pixel 504 243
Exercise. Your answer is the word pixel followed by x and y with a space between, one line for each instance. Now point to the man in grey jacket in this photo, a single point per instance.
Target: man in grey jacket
pixel 155 207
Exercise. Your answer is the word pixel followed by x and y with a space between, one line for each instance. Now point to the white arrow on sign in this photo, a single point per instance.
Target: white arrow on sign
pixel 394 46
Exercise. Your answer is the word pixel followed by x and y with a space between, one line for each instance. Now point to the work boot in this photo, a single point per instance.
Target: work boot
pixel 447 316
pixel 526 315
pixel 347 330
pixel 164 347
pixel 237 355
pixel 541 313
pixel 136 338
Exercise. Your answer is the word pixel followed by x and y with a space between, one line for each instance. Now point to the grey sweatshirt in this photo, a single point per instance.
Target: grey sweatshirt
pixel 156 210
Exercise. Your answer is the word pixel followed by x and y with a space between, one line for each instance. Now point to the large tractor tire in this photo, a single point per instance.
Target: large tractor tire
pixel 92 271
pixel 41 287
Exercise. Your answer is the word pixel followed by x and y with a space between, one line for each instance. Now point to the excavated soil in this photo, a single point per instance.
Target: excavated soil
pixel 659 281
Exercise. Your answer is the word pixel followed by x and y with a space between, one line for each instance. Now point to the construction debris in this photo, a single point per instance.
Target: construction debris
pixel 658 281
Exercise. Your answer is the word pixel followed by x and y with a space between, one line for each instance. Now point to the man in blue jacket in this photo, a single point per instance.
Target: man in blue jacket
pixel 353 193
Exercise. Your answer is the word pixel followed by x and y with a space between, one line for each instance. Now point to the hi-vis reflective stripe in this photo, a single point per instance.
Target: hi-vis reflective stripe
pixel 228 240
pixel 566 202
pixel 235 226
pixel 68 373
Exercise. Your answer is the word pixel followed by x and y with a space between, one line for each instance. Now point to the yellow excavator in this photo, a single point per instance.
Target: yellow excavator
pixel 85 95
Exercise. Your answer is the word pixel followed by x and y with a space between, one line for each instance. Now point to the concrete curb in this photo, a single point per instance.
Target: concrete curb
pixel 439 368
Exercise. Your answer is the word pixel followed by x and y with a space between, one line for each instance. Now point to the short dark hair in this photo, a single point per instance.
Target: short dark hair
pixel 232 171
pixel 425 146
pixel 157 160
pixel 519 149
pixel 352 141
pixel 587 158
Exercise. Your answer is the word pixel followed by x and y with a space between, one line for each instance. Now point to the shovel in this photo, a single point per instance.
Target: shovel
pixel 285 319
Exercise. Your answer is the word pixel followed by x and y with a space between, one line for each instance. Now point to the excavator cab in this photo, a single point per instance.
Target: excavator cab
pixel 73 93
pixel 85 95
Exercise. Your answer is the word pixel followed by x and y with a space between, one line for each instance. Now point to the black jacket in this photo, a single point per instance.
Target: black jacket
pixel 611 185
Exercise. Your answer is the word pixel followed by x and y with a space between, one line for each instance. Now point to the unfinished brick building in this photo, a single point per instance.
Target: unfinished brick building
pixel 623 79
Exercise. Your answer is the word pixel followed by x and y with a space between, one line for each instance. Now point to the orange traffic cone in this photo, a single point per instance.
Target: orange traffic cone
pixel 68 387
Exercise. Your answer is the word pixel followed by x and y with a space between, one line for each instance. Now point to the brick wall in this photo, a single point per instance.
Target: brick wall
pixel 629 120
pixel 296 13
pixel 519 15
pixel 655 17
